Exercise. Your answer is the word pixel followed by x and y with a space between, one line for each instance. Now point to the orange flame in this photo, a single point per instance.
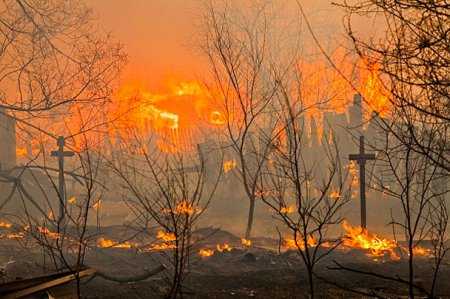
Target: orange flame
pixel 335 194
pixel 44 231
pixel 289 209
pixel 206 252
pixel 97 204
pixel 5 224
pixel 14 236
pixel 421 251
pixel 184 208
pixel 358 237
pixel 373 91
pixel 163 246
pixel 166 236
pixel 228 165
pixel 216 118
pixel 292 244
pixel 225 246
pixel 246 242
pixel 21 151
pixel 102 242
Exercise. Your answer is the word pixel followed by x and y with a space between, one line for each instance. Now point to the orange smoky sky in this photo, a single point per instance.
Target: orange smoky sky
pixel 159 35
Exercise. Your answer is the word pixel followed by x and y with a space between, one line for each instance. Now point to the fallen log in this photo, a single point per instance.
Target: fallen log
pixel 126 279
pixel 26 287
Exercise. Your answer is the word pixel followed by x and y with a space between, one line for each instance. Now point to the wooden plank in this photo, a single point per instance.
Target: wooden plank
pixel 49 284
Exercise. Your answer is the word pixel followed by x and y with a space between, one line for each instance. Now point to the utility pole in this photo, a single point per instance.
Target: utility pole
pixel 60 153
pixel 361 159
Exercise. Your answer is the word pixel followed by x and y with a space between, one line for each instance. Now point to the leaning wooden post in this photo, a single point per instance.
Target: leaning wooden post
pixel 60 153
pixel 361 159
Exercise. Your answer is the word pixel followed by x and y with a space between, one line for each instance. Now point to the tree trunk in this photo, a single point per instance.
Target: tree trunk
pixel 251 210
pixel 311 285
pixel 411 273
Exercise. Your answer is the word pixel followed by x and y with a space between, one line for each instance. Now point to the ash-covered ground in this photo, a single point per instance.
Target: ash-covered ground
pixel 263 270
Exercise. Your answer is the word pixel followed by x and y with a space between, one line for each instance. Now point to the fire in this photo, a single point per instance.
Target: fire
pixel 5 224
pixel 421 251
pixel 246 242
pixel 373 91
pixel 173 118
pixel 13 236
pixel 206 252
pixel 21 151
pixel 97 204
pixel 160 247
pixel 216 118
pixel 291 244
pixel 184 208
pixel 166 236
pixel 358 237
pixel 71 200
pixel 102 242
pixel 335 194
pixel 289 209
pixel 225 246
pixel 228 165
pixel 44 231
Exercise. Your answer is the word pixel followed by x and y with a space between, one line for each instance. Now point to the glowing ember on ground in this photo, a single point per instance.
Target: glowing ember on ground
pixel 206 252
pixel 357 237
pixel 102 242
pixel 246 242
pixel 225 246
